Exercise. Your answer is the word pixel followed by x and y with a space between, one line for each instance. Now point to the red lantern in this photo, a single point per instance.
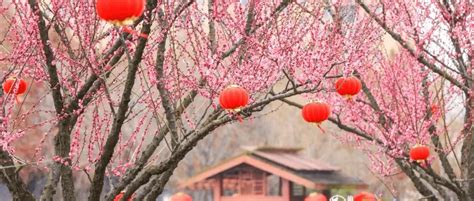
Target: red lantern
pixel 348 87
pixel 120 195
pixel 365 196
pixel 120 12
pixel 419 153
pixel 12 84
pixel 434 108
pixel 181 197
pixel 233 98
pixel 316 112
pixel 316 197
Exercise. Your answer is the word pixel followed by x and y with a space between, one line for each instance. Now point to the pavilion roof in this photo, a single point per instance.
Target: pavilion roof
pixel 286 163
pixel 291 159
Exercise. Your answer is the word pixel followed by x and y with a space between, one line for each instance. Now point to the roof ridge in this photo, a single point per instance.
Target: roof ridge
pixel 294 150
pixel 296 162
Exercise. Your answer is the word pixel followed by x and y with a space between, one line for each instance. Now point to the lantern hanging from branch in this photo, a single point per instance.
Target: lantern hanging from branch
pixel 233 98
pixel 434 108
pixel 120 12
pixel 419 153
pixel 316 112
pixel 181 197
pixel 15 86
pixel 348 87
pixel 316 197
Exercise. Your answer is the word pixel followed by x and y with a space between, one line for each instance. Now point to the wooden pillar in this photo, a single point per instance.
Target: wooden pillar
pixel 217 189
pixel 285 189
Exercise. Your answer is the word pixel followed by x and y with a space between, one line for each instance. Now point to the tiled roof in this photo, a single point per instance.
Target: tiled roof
pixel 311 169
pixel 295 161
pixel 286 163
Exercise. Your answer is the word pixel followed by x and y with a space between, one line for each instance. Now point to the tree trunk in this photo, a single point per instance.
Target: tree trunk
pixel 59 170
pixel 467 162
pixel 14 183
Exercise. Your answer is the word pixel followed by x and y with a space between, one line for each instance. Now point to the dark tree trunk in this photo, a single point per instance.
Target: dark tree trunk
pixel 467 161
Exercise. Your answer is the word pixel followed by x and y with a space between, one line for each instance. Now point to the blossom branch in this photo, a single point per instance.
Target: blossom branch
pixel 405 45
pixel 112 139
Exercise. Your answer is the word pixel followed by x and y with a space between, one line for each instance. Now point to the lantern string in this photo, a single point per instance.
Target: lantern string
pixel 134 32
pixel 423 163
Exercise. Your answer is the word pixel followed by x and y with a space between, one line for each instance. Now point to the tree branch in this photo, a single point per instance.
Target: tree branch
pixel 13 181
pixel 416 181
pixel 145 176
pixel 208 126
pixel 277 11
pixel 158 184
pixel 178 154
pixel 448 169
pixel 112 139
pixel 419 185
pixel 49 55
pixel 164 95
pixel 404 44
pixel 62 140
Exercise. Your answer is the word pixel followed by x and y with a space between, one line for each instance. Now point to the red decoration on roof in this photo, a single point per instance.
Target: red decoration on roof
pixel 419 153
pixel 14 85
pixel 349 86
pixel 234 98
pixel 120 12
pixel 181 197
pixel 365 196
pixel 316 197
pixel 316 112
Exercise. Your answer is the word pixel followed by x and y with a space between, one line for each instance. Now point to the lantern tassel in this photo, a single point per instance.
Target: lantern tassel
pixel 235 114
pixel 241 120
pixel 133 32
pixel 17 99
pixel 422 163
pixel 321 128
pixel 349 99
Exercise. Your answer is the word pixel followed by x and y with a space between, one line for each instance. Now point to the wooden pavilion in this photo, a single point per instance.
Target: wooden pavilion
pixel 271 174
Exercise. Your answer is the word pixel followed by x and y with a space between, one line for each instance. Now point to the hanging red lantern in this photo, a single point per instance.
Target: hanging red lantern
pixel 14 85
pixel 365 196
pixel 316 112
pixel 120 195
pixel 120 12
pixel 349 86
pixel 419 153
pixel 234 98
pixel 316 197
pixel 181 197
pixel 434 108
